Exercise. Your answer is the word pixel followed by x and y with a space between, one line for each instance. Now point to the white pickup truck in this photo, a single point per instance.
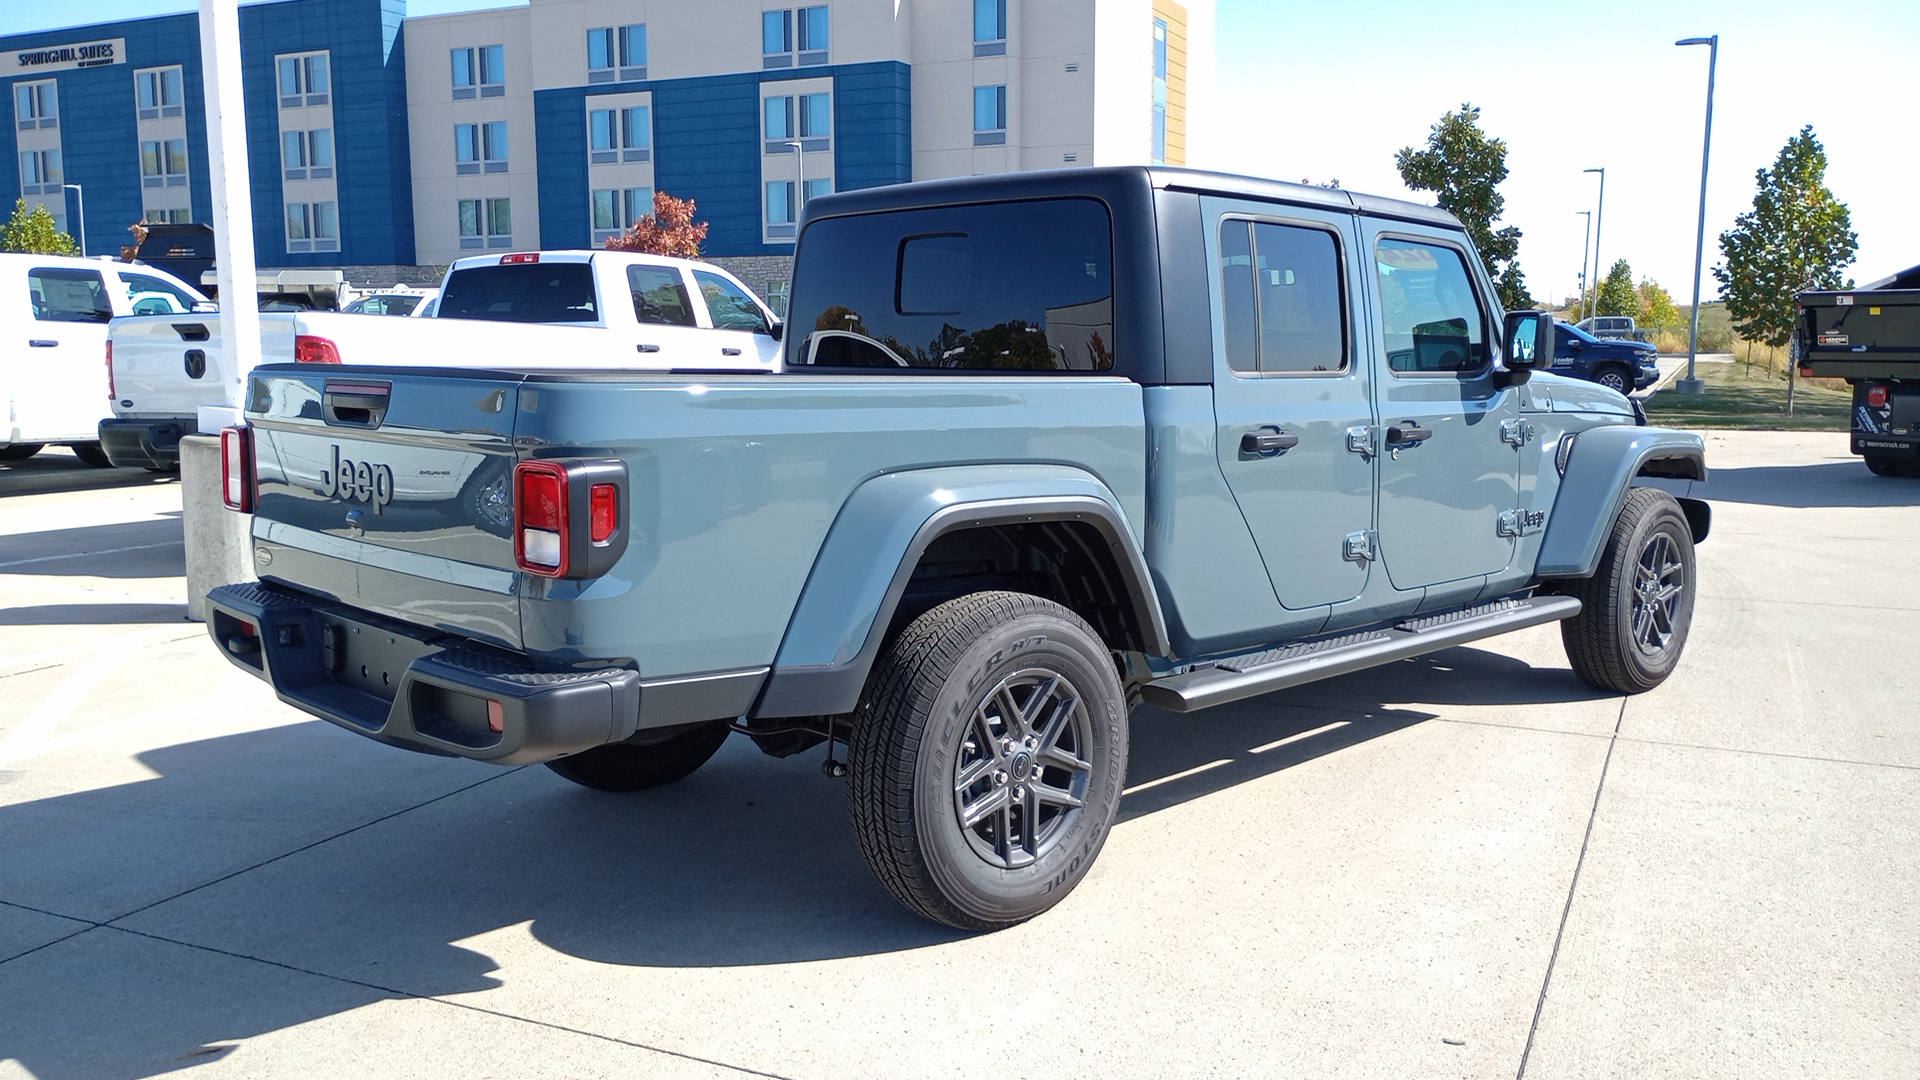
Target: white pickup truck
pixel 547 308
pixel 54 312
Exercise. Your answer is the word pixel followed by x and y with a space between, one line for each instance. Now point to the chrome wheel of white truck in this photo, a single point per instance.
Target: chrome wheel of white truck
pixel 987 759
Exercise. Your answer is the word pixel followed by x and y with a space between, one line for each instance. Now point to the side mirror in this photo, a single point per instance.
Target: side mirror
pixel 776 329
pixel 1529 338
pixel 205 307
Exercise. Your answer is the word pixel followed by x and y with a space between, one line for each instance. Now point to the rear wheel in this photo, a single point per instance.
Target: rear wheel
pixel 987 759
pixel 1637 607
pixel 1614 378
pixel 636 766
pixel 1887 465
pixel 91 453
pixel 20 451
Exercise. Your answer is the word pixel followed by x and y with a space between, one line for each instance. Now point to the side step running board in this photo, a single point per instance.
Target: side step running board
pixel 1261 673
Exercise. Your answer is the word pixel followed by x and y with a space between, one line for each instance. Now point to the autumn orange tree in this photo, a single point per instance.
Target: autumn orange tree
pixel 669 230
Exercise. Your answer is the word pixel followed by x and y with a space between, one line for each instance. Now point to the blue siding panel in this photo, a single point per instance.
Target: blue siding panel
pixel 560 144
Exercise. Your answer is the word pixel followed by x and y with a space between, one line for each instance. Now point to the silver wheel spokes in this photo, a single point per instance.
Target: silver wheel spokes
pixel 1021 773
pixel 1658 580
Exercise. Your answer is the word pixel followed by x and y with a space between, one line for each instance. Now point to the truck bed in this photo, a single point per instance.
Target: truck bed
pixel 1863 334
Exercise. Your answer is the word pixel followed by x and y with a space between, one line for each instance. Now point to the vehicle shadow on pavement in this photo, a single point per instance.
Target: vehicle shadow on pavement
pixel 92 614
pixel 1833 484
pixel 48 473
pixel 131 549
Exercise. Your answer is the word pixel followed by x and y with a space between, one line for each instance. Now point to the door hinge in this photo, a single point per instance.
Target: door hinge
pixel 1360 546
pixel 1516 433
pixel 1361 439
pixel 1520 522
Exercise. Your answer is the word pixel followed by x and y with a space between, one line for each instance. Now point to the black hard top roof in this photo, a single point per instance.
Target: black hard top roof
pixel 1110 182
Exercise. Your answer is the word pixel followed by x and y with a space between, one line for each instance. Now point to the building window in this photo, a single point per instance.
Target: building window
pixel 817 188
pixel 159 93
pixel 304 80
pixel 780 208
pixel 600 54
pixel 633 52
pixel 313 226
pixel 163 163
pixel 617 52
pixel 480 71
pixel 615 210
pixel 307 155
pixel 989 27
pixel 989 116
pixel 808 118
pixel 620 134
pixel 486 223
pixel 36 105
pixel 1159 91
pixel 162 216
pixel 778 38
pixel 40 172
pixel 480 148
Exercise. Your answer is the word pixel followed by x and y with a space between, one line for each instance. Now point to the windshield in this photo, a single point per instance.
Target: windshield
pixel 545 292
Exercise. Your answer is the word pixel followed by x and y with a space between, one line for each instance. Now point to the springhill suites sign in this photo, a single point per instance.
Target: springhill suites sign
pixel 63 57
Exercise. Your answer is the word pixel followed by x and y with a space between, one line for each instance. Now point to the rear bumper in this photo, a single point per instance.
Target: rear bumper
pixel 148 443
pixel 412 688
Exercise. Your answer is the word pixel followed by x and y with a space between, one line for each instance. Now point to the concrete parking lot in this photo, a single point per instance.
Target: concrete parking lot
pixel 1469 865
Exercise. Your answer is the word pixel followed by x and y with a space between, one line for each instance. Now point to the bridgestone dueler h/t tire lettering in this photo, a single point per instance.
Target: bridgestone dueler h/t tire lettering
pixel 987 758
pixel 1638 605
pixel 628 766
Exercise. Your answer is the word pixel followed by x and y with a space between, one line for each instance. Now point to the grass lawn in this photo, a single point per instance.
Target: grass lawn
pixel 1737 399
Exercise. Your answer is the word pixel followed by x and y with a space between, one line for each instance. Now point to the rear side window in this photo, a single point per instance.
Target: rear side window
pixel 1282 299
pixel 147 283
pixel 1013 286
pixel 69 295
pixel 522 292
pixel 729 304
pixel 1429 313
pixel 659 296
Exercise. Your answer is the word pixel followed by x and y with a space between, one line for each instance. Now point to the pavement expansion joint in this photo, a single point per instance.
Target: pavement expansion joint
pixel 1772 754
pixel 1573 886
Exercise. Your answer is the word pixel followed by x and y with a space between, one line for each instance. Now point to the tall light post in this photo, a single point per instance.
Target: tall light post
pixel 1691 384
pixel 800 184
pixel 80 198
pixel 1599 216
pixel 1580 309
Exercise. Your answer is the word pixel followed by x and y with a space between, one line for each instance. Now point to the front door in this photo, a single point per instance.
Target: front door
pixel 1448 467
pixel 59 381
pixel 1291 392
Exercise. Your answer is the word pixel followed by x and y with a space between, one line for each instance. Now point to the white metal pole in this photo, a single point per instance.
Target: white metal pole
pixel 1599 215
pixel 1586 248
pixel 800 178
pixel 80 206
pixel 231 188
pixel 1692 384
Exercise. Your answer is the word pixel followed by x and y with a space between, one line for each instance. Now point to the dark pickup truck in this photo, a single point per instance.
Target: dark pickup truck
pixel 1871 337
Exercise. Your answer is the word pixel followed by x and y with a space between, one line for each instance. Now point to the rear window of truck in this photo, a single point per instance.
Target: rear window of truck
pixel 1013 286
pixel 544 292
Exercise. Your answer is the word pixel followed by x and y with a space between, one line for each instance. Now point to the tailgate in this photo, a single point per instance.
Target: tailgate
pixel 389 491
pixel 165 365
pixel 1862 334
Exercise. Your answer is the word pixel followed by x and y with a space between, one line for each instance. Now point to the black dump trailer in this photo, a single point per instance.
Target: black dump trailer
pixel 1870 337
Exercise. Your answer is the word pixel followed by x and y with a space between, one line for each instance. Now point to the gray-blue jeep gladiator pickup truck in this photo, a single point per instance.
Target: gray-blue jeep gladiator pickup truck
pixel 1045 445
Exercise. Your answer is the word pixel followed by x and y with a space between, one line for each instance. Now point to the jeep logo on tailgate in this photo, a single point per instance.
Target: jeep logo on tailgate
pixel 358 481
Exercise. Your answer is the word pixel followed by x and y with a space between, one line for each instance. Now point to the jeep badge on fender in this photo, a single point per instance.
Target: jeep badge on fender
pixel 358 481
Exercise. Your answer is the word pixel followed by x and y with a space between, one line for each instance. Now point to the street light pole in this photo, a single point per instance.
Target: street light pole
pixel 80 199
pixel 1691 384
pixel 1599 217
pixel 1580 309
pixel 800 180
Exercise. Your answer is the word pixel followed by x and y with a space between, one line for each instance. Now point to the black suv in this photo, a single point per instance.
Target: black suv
pixel 1620 365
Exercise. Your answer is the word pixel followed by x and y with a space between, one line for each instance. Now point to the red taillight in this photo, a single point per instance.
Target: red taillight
pixel 1806 372
pixel 540 517
pixel 308 349
pixel 1877 396
pixel 496 717
pixel 110 391
pixel 603 514
pixel 519 257
pixel 236 468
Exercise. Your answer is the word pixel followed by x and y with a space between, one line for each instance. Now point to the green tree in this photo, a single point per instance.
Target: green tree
pixel 1463 167
pixel 34 231
pixel 1617 294
pixel 1657 309
pixel 1796 237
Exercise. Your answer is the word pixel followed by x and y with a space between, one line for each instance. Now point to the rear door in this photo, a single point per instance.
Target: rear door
pixel 59 373
pixel 1454 471
pixel 669 334
pixel 391 492
pixel 1290 397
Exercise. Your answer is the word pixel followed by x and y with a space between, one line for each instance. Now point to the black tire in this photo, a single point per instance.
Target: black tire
pixel 1885 465
pixel 20 451
pixel 636 766
pixel 1007 704
pixel 91 453
pixel 1615 378
pixel 1638 605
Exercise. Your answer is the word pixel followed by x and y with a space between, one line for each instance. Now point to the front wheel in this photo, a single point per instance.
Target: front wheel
pixel 1614 378
pixel 987 759
pixel 1637 606
pixel 636 766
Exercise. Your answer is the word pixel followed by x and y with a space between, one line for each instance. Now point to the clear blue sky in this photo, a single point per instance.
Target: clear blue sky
pixel 1329 91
